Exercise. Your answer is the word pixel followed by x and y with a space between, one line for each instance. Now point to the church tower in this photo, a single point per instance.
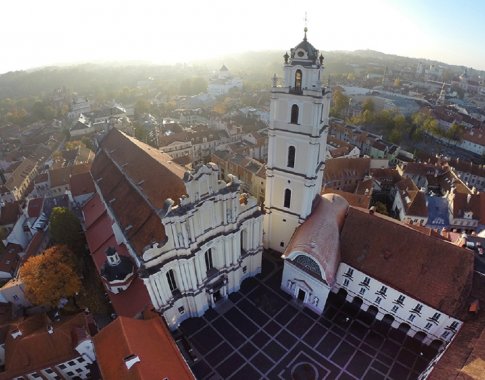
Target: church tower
pixel 297 140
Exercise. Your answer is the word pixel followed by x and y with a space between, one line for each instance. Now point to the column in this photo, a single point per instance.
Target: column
pixel 154 297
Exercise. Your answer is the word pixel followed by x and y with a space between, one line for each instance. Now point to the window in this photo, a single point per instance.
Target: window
pixel 454 325
pixel 291 157
pixel 395 308
pixel 366 281
pixel 282 244
pixel 349 273
pixel 171 280
pixel 436 317
pixel 383 291
pixel 181 310
pixel 362 291
pixel 445 334
pixel 287 201
pixel 245 269
pixel 298 80
pixel 346 282
pixel 400 300
pixel 208 259
pixel 294 114
pixel 418 308
pixel 411 317
pixel 378 300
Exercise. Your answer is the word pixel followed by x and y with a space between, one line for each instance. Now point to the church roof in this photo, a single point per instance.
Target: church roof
pixel 436 272
pixel 318 236
pixel 135 180
pixel 298 52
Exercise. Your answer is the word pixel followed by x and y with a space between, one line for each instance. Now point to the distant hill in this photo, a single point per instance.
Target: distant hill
pixel 255 67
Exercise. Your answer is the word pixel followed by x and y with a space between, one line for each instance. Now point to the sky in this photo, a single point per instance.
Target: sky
pixel 36 33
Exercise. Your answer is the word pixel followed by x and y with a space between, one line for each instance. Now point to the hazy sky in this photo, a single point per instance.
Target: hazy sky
pixel 42 32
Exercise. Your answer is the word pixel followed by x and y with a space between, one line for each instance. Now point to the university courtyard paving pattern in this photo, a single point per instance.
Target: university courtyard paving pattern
pixel 261 333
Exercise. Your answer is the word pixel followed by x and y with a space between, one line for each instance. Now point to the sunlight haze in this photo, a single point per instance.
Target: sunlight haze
pixel 62 32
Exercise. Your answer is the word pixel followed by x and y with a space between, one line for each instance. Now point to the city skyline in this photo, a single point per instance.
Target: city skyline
pixel 47 33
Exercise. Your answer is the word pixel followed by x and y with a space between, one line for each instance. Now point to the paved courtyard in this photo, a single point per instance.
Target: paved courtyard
pixel 261 333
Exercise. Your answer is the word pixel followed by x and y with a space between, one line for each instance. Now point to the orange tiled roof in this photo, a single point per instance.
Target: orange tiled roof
pixel 135 180
pixel 148 339
pixel 437 273
pixel 36 348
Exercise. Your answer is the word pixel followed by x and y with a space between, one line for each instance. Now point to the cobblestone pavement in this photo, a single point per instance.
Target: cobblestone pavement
pixel 261 333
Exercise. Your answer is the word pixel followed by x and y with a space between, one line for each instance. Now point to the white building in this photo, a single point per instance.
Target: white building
pixel 329 246
pixel 223 82
pixel 192 237
pixel 297 138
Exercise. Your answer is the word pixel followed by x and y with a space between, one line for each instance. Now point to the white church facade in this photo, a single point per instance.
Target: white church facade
pixel 192 237
pixel 418 283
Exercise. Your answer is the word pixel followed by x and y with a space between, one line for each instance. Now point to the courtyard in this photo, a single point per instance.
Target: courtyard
pixel 260 332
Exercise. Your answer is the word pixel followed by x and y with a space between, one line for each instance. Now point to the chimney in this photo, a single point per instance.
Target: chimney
pixel 468 197
pixel 15 333
pixel 50 329
pixel 131 360
pixel 372 210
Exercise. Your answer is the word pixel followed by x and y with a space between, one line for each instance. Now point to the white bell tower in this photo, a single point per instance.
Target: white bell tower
pixel 297 139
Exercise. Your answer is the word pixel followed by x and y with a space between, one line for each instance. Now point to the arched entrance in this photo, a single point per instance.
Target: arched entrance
pixel 420 336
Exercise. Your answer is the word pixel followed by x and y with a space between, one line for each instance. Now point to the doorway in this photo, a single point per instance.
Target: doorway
pixel 301 295
pixel 217 296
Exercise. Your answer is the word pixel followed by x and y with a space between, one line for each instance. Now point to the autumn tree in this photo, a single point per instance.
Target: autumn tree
pixel 65 228
pixel 340 103
pixel 50 276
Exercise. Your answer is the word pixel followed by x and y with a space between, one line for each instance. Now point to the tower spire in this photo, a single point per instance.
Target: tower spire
pixel 306 28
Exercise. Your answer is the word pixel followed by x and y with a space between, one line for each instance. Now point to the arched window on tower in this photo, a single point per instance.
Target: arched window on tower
pixel 298 80
pixel 291 157
pixel 294 114
pixel 287 201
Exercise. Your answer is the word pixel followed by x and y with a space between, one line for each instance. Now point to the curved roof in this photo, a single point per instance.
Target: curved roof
pixel 119 271
pixel 319 237
pixel 311 52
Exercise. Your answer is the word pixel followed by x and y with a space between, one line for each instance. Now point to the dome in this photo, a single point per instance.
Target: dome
pixel 118 271
pixel 304 51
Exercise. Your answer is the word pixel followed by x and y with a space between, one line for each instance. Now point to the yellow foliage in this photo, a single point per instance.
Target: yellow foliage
pixel 50 276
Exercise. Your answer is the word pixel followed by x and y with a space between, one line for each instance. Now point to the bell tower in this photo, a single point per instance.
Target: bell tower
pixel 297 143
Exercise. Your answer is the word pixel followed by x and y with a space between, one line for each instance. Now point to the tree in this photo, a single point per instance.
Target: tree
pixel 340 103
pixel 64 228
pixel 50 276
pixel 381 208
pixel 368 105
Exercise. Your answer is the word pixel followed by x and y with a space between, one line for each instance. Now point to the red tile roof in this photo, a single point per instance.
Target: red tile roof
pixel 135 180
pixel 100 237
pixel 35 207
pixel 36 348
pixel 437 273
pixel 81 184
pixel 355 200
pixel 148 339
pixel 9 213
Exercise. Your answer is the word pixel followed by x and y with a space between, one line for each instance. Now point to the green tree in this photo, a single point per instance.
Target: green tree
pixel 64 228
pixel 50 276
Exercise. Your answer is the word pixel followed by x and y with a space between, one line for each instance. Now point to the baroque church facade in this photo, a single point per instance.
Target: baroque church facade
pixel 192 237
